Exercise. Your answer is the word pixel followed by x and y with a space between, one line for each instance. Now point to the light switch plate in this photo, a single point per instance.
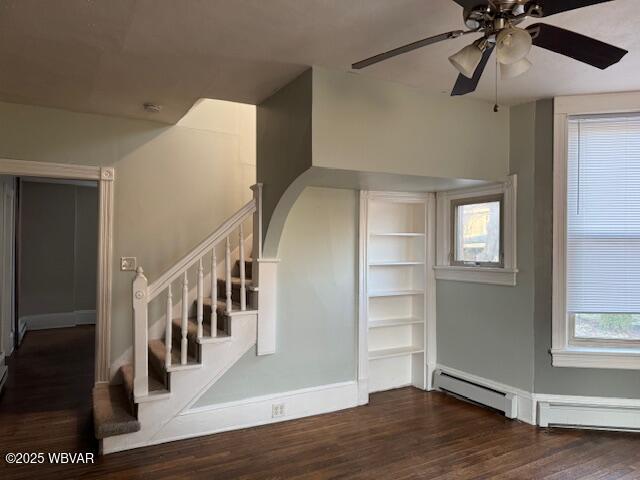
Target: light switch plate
pixel 128 264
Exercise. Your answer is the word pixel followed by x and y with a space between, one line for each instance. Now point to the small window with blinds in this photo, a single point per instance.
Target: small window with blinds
pixel 603 229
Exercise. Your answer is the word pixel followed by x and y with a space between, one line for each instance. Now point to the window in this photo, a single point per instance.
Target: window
pixel 596 288
pixel 603 228
pixel 476 234
pixel 477 231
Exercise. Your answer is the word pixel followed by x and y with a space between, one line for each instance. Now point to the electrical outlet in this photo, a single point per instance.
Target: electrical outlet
pixel 277 410
pixel 128 264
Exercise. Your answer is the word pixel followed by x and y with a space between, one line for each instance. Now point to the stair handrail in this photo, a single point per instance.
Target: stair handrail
pixel 144 293
pixel 204 247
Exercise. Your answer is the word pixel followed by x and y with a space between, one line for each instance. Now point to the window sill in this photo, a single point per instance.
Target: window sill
pixel 487 275
pixel 580 357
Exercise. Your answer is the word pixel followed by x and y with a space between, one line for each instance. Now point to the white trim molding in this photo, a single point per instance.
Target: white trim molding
pixel 45 321
pixel 565 354
pixel 363 301
pixel 579 357
pixel 506 275
pixel 250 412
pixel 105 176
pixel 573 411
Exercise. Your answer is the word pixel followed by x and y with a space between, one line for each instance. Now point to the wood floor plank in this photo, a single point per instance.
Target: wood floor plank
pixel 403 434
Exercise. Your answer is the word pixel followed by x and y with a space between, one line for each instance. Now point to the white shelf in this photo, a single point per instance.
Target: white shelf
pixel 395 322
pixel 396 249
pixel 394 264
pixel 398 234
pixel 395 293
pixel 395 352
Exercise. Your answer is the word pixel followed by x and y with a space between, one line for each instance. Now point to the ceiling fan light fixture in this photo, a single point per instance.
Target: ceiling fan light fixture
pixel 467 60
pixel 516 69
pixel 513 45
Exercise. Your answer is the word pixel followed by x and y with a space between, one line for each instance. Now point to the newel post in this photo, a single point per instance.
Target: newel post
pixel 140 341
pixel 257 234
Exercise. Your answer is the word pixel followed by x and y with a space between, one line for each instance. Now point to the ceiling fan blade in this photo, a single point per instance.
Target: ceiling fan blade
pixel 551 7
pixel 469 4
pixel 574 45
pixel 407 48
pixel 466 85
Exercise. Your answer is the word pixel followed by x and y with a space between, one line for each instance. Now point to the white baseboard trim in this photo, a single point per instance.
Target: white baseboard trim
pixel 605 413
pixel 525 410
pixel 57 320
pixel 255 411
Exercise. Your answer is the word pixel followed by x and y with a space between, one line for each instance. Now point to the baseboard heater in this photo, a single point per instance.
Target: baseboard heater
pixel 502 401
pixel 603 417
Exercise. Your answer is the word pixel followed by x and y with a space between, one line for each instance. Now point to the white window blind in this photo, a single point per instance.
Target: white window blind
pixel 603 214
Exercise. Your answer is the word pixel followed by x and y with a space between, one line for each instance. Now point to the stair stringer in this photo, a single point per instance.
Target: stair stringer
pixel 187 386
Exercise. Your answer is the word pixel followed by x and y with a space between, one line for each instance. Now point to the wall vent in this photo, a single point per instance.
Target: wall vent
pixel 502 401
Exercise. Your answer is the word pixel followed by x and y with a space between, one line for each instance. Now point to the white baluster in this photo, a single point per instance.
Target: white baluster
pixel 227 264
pixel 214 294
pixel 185 320
pixel 168 338
pixel 140 332
pixel 199 314
pixel 243 287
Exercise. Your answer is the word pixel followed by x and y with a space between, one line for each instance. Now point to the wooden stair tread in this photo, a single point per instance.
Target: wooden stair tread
pixel 192 331
pixel 157 350
pixel 111 412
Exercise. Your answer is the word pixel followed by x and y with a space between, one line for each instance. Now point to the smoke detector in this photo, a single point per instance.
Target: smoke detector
pixel 152 107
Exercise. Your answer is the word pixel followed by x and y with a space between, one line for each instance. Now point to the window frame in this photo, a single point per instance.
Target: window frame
pixel 566 349
pixel 453 248
pixel 504 273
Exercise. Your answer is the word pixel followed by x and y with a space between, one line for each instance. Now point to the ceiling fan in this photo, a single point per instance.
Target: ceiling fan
pixel 498 21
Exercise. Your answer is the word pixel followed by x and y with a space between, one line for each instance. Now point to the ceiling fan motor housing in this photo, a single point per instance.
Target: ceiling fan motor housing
pixel 495 15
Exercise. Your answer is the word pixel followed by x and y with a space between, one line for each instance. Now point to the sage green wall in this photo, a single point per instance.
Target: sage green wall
pixel 504 333
pixel 174 184
pixel 47 249
pixel 283 138
pixel 549 379
pixel 487 330
pixel 327 123
pixel 369 125
pixel 317 303
pixel 58 248
pixel 86 247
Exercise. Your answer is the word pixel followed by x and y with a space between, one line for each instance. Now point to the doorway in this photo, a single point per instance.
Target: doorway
pixel 56 244
pixel 105 177
pixel 51 369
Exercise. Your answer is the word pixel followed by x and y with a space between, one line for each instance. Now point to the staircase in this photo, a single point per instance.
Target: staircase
pixel 204 335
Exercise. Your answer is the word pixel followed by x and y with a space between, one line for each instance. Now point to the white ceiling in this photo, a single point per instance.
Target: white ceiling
pixel 110 56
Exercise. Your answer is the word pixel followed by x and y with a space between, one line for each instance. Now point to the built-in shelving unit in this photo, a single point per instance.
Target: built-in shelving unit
pixel 396 262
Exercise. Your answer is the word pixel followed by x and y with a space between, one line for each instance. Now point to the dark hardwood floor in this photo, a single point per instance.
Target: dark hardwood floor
pixel 402 434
